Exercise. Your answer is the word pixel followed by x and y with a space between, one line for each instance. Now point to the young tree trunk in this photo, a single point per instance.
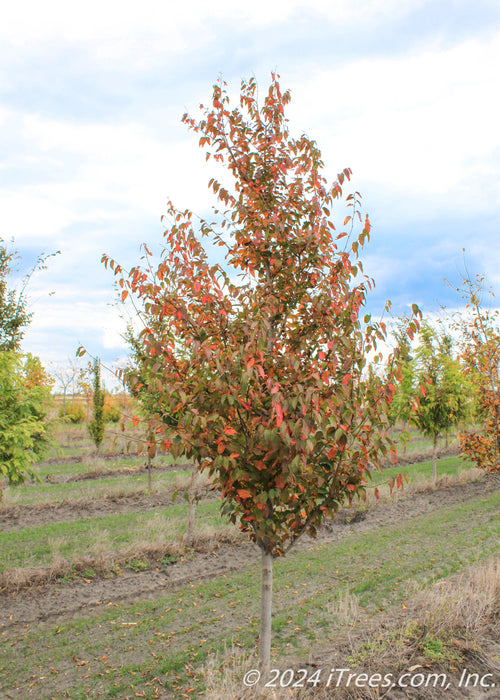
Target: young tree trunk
pixel 149 475
pixel 192 493
pixel 434 459
pixel 265 617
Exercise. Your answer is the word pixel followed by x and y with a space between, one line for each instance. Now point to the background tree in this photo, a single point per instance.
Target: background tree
pixel 480 354
pixel 66 376
pixel 14 315
pixel 96 425
pixel 24 383
pixel 24 436
pixel 443 390
pixel 137 377
pixel 271 384
pixel 402 405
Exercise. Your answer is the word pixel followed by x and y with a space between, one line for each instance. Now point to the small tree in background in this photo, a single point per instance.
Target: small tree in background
pixel 14 315
pixel 480 354
pixel 402 405
pixel 96 425
pixel 137 377
pixel 267 374
pixel 24 436
pixel 24 383
pixel 444 390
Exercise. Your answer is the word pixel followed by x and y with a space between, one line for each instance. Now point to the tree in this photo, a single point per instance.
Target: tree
pixel 267 374
pixel 480 354
pixel 14 315
pixel 24 436
pixel 96 425
pixel 24 383
pixel 66 376
pixel 402 404
pixel 137 377
pixel 440 389
pixel 13 312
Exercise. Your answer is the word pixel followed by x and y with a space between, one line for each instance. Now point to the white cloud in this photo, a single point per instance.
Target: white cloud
pixel 416 123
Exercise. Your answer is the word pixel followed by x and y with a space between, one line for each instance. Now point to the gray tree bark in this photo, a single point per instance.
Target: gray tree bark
pixel 265 617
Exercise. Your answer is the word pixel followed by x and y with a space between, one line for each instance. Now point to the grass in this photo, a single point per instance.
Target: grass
pixel 95 488
pixel 88 463
pixel 421 473
pixel 166 645
pixel 77 539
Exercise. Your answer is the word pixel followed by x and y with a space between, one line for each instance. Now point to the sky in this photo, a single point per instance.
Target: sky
pixel 404 92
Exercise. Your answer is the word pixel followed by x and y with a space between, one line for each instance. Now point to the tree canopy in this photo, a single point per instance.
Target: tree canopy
pixel 263 357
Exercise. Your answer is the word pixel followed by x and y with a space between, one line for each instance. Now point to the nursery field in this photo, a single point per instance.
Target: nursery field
pixel 100 597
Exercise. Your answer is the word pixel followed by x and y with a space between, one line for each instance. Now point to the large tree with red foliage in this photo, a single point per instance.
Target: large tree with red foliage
pixel 263 359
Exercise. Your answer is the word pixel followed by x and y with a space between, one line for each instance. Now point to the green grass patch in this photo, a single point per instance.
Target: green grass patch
pixel 422 471
pixel 161 646
pixel 92 488
pixel 90 537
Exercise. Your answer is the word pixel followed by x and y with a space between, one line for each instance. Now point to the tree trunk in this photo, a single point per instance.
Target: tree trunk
pixel 434 459
pixel 149 475
pixel 192 493
pixel 265 617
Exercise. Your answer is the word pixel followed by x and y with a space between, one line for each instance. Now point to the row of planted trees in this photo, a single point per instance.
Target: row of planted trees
pixel 257 367
pixel 449 380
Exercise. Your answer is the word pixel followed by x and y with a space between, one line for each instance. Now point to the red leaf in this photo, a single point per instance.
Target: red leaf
pixel 244 493
pixel 196 286
pixel 399 481
pixel 347 378
pixel 124 294
pixel 279 415
pixel 221 447
pixel 377 494
pixel 135 421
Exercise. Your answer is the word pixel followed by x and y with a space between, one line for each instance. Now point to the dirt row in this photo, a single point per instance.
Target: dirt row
pixel 58 601
pixel 20 516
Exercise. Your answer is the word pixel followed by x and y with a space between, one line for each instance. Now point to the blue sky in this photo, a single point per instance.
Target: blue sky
pixel 404 92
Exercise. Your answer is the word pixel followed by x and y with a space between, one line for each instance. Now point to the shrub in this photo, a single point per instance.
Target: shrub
pixel 74 415
pixel 111 413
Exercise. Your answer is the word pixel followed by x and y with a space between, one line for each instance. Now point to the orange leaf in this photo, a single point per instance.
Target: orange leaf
pixel 243 493
pixel 279 415
pixel 221 447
